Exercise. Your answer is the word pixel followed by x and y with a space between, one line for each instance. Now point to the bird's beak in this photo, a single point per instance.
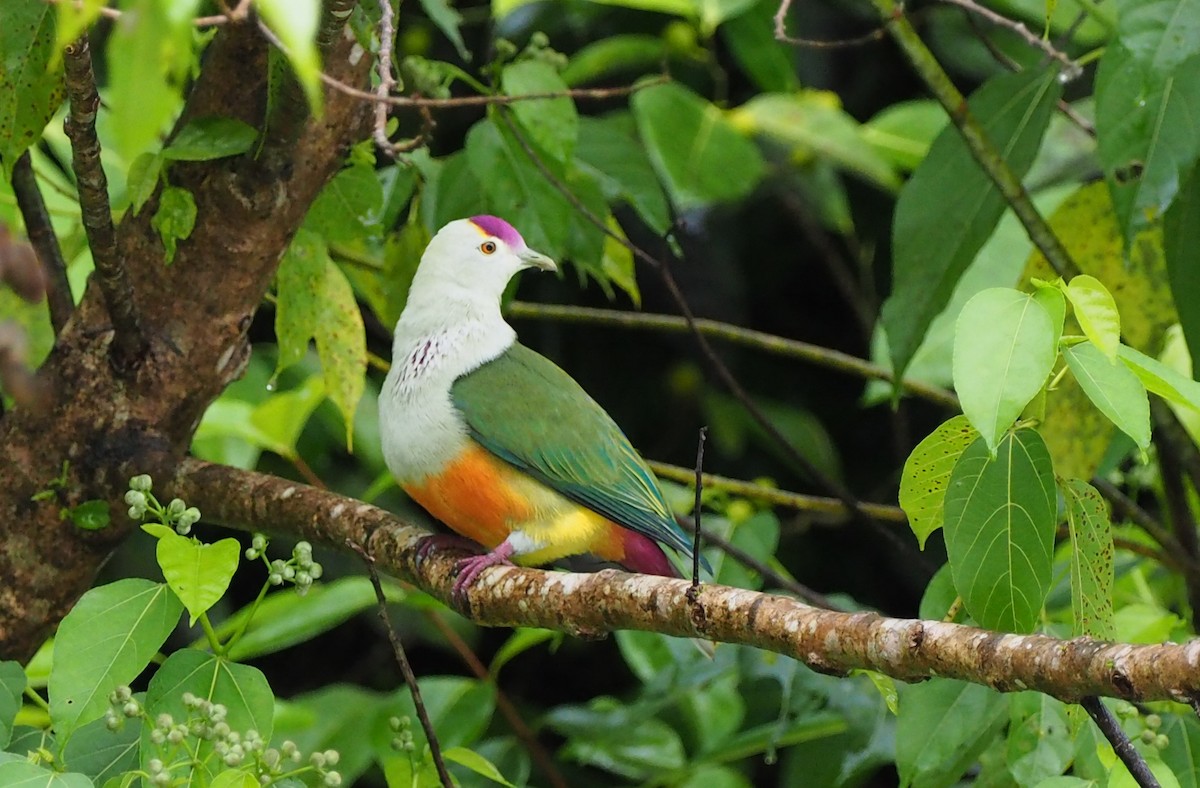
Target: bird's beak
pixel 533 259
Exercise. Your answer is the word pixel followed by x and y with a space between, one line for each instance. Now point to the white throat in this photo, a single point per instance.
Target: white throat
pixel 443 334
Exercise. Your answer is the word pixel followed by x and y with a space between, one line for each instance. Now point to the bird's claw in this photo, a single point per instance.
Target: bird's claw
pixel 468 569
pixel 444 542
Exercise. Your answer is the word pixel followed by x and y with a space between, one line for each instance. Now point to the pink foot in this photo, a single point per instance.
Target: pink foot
pixel 445 542
pixel 470 568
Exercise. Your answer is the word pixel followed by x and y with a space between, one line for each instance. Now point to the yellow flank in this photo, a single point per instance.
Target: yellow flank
pixel 483 498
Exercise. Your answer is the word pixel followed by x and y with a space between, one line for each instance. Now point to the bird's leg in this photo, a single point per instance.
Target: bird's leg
pixel 470 568
pixel 445 542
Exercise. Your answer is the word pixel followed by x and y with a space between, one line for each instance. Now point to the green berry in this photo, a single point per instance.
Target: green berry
pixel 135 498
pixel 142 483
pixel 1153 721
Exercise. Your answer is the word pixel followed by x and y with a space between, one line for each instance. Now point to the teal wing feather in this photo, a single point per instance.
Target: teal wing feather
pixel 525 409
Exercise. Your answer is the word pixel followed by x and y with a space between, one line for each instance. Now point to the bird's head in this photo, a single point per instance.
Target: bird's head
pixel 481 254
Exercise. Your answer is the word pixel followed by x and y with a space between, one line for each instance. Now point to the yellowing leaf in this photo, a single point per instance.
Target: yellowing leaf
pixel 927 474
pixel 1096 312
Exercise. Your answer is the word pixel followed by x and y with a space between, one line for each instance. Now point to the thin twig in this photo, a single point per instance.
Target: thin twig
pixel 507 708
pixel 435 749
pixel 1108 724
pixel 760 340
pixel 128 341
pixel 771 578
pixel 773 495
pixel 576 94
pixel 41 236
pixel 697 530
pixel 387 80
pixel 1072 69
pixel 781 34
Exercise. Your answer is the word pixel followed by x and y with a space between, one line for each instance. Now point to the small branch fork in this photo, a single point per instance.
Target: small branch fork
pixel 410 678
pixel 128 342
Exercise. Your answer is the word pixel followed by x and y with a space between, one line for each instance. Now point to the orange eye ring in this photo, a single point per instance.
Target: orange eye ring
pixel 488 247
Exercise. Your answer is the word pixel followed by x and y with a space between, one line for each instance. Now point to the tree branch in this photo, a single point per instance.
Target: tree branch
pixel 748 337
pixel 595 604
pixel 805 503
pixel 129 342
pixel 41 236
pixel 1071 68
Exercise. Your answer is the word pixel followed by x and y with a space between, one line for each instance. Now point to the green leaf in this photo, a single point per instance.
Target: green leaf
pixel 518 643
pixel 616 263
pixel 284 620
pixel 649 747
pixel 22 774
pixel 198 573
pixel 31 88
pixel 751 40
pixel 1003 351
pixel 1040 745
pixel 91 515
pixel 608 150
pixel 12 689
pixel 295 22
pixel 1091 560
pixel 1182 753
pixel 1161 379
pixel 685 8
pixel 476 763
pixel 1145 123
pixel 1055 303
pixel 281 417
pixel 517 190
pixel 175 218
pixel 1000 523
pixel 942 727
pixel 149 57
pixel 699 154
pixel 74 18
pixel 347 209
pixel 1096 311
pixel 949 207
pixel 342 347
pixel 904 132
pixel 714 12
pixel 1114 389
pixel 1181 239
pixel 234 778
pixel 927 474
pixel 442 14
pixel 204 139
pixel 552 123
pixel 243 690
pixel 107 639
pixel 813 125
pixel 614 55
pixel 1162 33
pixel 143 179
pixel 315 301
pixel 102 754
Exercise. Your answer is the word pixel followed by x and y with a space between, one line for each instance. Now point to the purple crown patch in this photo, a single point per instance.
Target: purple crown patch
pixel 498 228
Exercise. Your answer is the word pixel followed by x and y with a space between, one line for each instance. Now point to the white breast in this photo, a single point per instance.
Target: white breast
pixel 419 426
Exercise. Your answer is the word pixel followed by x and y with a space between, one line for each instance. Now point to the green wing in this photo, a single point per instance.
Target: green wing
pixel 523 408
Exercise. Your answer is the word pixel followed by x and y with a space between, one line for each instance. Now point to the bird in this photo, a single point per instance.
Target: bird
pixel 498 442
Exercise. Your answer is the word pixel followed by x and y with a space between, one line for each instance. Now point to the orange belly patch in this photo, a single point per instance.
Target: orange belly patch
pixel 477 495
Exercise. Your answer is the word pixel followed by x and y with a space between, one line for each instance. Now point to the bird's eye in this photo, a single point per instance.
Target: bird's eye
pixel 488 247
